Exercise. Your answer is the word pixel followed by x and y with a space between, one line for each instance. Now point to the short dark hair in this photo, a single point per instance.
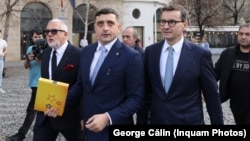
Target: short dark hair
pixel 107 11
pixel 244 25
pixel 177 7
pixel 37 30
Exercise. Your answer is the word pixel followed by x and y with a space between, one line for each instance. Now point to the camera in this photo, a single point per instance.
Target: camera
pixel 38 48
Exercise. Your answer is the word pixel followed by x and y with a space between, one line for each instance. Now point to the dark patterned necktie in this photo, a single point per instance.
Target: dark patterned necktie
pixel 53 64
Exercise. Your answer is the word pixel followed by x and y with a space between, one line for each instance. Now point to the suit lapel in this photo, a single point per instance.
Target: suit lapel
pixel 45 63
pixel 113 54
pixel 63 61
pixel 157 49
pixel 183 64
pixel 88 57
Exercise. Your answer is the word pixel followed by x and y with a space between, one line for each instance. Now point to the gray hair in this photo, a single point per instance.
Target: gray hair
pixel 62 24
pixel 135 32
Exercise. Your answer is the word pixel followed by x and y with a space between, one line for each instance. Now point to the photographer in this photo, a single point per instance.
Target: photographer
pixel 32 63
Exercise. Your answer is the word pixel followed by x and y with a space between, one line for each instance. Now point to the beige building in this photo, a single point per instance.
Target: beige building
pixel 27 14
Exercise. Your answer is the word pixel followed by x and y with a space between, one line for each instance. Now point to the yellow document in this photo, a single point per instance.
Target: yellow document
pixel 51 94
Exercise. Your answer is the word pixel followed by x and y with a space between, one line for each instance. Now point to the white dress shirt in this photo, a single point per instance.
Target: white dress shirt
pixel 164 55
pixel 59 53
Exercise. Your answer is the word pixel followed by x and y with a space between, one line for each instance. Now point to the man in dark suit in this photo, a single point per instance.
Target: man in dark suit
pixel 179 99
pixel 67 62
pixel 116 93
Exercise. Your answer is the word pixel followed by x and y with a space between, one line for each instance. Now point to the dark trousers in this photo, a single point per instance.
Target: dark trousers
pixel 241 119
pixel 30 114
pixel 46 132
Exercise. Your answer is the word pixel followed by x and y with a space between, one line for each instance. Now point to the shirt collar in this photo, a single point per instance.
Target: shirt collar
pixel 107 46
pixel 177 47
pixel 62 49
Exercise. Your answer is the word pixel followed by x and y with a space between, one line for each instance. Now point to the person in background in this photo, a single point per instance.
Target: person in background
pixel 83 42
pixel 177 73
pixel 194 40
pixel 232 70
pixel 107 70
pixel 185 34
pixel 139 43
pixel 130 38
pixel 67 56
pixel 204 43
pixel 3 52
pixel 32 63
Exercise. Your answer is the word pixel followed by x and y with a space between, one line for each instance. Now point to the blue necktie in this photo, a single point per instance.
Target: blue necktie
pixel 99 63
pixel 169 69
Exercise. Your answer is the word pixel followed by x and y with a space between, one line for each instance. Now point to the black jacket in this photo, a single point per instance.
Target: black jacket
pixel 223 68
pixel 71 56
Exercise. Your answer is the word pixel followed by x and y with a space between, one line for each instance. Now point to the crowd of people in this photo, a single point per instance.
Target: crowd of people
pixel 111 80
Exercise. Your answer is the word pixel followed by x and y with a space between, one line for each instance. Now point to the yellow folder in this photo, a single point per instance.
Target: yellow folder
pixel 51 94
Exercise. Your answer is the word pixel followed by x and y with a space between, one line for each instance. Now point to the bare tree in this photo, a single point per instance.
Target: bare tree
pixel 84 13
pixel 86 23
pixel 203 13
pixel 7 15
pixel 233 7
pixel 90 10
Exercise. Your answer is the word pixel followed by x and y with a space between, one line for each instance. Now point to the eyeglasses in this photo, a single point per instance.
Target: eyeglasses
pixel 53 31
pixel 171 23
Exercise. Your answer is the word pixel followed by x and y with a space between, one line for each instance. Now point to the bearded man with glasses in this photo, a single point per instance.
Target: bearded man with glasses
pixel 63 69
pixel 177 73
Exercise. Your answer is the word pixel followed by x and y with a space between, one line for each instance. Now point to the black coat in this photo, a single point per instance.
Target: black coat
pixel 223 68
pixel 71 56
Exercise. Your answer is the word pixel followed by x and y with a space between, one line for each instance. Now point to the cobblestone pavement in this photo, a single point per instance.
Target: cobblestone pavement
pixel 13 103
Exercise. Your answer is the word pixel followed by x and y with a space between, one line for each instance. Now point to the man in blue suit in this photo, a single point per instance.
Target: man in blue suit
pixel 192 76
pixel 115 93
pixel 67 62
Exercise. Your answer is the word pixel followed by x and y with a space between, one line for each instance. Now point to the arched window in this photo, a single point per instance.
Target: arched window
pixel 32 15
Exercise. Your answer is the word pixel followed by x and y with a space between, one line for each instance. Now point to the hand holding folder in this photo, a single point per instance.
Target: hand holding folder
pixel 51 94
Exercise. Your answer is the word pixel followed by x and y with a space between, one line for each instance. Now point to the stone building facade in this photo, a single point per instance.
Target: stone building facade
pixel 30 13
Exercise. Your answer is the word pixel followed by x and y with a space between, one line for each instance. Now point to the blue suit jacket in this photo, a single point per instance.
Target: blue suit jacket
pixel 182 105
pixel 118 87
pixel 71 56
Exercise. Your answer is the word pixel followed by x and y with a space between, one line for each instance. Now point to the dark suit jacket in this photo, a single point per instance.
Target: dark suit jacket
pixel 67 74
pixel 182 104
pixel 118 87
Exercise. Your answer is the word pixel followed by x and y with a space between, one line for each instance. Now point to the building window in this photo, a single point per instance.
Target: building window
pixel 136 13
pixel 33 15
